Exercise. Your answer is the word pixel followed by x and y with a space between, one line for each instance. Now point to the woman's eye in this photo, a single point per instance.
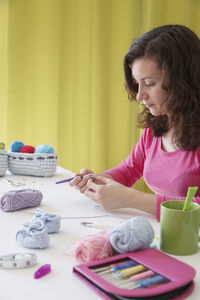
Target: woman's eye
pixel 149 84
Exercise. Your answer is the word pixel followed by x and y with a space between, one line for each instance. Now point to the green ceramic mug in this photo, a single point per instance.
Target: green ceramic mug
pixel 179 230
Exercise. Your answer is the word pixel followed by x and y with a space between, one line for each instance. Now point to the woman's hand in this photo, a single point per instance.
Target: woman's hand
pixel 110 194
pixel 81 179
pixel 107 193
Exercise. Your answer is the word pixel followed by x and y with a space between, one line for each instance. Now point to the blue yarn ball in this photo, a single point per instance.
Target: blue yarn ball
pixel 44 149
pixel 131 235
pixel 16 146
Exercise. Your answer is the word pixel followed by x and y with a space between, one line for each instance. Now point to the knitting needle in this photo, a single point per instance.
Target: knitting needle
pixel 71 178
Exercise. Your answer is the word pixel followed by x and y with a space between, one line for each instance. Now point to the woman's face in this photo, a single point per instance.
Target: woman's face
pixel 149 78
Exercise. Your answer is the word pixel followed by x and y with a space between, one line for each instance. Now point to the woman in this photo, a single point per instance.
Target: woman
pixel 162 70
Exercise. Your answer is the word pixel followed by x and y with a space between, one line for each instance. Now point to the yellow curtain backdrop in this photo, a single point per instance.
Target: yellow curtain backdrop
pixel 61 73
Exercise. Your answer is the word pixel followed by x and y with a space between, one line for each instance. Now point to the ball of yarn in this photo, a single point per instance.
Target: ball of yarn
pixel 44 149
pixel 27 149
pixel 19 199
pixel 16 146
pixel 131 235
pixel 93 247
pixel 2 146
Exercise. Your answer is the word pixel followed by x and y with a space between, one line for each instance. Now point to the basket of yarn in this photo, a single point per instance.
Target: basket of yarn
pixel 3 159
pixel 38 161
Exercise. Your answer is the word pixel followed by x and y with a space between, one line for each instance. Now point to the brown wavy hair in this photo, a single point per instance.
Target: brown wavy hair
pixel 176 48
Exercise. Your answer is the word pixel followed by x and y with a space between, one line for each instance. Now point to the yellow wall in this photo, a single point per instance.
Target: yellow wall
pixel 61 73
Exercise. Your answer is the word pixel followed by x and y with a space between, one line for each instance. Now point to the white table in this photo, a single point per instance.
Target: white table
pixel 60 283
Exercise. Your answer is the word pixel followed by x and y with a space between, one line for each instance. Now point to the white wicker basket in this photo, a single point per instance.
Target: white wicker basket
pixel 38 164
pixel 3 162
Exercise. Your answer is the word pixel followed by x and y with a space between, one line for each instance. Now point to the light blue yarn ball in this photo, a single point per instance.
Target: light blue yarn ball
pixel 16 146
pixel 131 235
pixel 44 149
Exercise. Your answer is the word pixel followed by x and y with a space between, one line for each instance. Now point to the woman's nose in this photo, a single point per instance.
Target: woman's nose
pixel 141 95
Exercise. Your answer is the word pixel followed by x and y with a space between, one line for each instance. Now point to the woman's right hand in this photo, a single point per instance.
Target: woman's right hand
pixel 81 179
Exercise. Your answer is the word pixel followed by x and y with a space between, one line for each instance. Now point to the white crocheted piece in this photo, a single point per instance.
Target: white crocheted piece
pixel 40 164
pixel 3 162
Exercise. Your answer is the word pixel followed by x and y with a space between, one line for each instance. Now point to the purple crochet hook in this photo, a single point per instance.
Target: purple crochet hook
pixel 68 179
pixel 42 271
pixel 71 178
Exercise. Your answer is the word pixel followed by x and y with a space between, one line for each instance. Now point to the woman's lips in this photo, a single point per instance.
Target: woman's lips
pixel 147 105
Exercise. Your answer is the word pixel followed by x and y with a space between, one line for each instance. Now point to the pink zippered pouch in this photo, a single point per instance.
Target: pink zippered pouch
pixel 177 283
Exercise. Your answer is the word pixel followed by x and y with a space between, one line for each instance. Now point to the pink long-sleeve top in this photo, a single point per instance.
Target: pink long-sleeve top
pixel 168 174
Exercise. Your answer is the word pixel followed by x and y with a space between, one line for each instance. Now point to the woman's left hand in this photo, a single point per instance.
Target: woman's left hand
pixel 108 193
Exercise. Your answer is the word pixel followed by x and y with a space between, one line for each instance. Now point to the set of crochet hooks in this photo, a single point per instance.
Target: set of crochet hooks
pixel 130 274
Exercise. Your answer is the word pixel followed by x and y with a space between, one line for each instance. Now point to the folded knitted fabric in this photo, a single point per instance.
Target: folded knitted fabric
pixel 131 235
pixel 33 235
pixel 19 199
pixel 51 221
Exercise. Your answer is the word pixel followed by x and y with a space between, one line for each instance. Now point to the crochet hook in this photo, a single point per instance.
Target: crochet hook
pixel 71 178
pixel 67 180
pixel 148 282
pixel 129 271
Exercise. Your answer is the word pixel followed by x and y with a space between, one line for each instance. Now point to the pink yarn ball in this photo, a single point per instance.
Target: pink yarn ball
pixel 93 247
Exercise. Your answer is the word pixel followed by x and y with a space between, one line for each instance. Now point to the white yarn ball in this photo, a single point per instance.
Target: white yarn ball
pixel 131 235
